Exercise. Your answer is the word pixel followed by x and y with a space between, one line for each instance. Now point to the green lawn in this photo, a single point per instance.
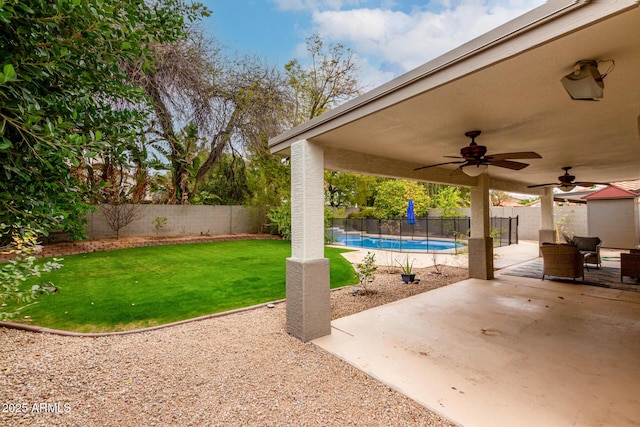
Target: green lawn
pixel 140 287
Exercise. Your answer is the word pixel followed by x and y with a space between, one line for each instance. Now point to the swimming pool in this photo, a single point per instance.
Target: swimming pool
pixel 368 242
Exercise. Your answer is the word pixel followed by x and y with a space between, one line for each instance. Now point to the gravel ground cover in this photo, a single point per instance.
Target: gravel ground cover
pixel 237 370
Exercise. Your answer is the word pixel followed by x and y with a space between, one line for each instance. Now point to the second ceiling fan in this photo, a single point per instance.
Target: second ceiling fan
pixel 567 182
pixel 476 155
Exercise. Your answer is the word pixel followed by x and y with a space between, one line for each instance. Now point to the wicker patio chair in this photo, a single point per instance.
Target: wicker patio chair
pixel 590 248
pixel 630 264
pixel 562 261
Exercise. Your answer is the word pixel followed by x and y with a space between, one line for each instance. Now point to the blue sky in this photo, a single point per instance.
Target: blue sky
pixel 390 37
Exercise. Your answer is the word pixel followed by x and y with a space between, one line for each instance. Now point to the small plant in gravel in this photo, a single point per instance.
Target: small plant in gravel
pixel 407 270
pixel 366 272
pixel 406 266
pixel 437 268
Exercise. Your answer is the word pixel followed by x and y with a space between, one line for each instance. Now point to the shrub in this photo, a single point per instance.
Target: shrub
pixel 365 212
pixel 280 218
pixel 16 272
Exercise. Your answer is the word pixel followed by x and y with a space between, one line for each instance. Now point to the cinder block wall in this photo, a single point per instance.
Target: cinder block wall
pixel 203 220
pixel 181 221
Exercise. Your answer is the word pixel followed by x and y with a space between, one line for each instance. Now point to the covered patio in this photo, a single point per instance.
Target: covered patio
pixel 505 83
pixel 508 347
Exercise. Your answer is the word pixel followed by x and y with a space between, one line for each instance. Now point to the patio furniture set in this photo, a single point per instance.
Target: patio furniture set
pixel 570 260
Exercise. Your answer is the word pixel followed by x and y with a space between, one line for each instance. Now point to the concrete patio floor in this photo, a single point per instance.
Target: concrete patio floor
pixel 507 352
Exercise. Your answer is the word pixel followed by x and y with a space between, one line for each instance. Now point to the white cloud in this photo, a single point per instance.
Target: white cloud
pixel 395 41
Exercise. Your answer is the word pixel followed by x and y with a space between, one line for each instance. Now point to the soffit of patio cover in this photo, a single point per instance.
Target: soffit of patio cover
pixel 510 89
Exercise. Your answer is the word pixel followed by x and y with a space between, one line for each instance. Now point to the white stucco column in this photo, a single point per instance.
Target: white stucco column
pixel 308 304
pixel 547 231
pixel 480 241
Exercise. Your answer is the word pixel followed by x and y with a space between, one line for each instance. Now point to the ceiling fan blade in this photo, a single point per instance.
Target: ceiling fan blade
pixel 453 157
pixel 438 164
pixel 552 184
pixel 517 155
pixel 508 164
pixel 588 184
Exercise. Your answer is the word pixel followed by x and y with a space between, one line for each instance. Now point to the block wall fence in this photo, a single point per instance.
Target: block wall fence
pixel 189 220
pixel 193 220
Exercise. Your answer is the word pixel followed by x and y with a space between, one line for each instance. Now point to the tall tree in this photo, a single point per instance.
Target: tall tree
pixel 64 97
pixel 205 104
pixel 392 197
pixel 328 80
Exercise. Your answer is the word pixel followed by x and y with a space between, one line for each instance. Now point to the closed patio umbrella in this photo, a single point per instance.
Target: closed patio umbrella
pixel 411 215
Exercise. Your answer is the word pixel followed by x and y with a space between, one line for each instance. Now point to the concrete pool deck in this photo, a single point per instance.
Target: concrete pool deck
pixel 504 256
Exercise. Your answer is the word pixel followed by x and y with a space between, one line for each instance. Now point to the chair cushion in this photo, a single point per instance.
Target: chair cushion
pixel 589 244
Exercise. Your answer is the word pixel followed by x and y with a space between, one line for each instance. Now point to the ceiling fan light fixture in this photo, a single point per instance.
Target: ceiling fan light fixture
pixel 474 170
pixel 585 82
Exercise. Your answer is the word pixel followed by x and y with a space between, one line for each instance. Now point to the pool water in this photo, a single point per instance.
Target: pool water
pixel 398 244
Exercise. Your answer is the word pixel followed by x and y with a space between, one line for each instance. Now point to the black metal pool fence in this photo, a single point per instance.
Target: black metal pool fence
pixel 454 230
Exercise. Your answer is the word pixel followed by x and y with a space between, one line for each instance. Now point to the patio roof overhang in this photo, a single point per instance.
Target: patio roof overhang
pixel 507 84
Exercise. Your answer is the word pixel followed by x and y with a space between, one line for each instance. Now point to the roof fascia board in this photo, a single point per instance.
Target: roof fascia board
pixel 472 56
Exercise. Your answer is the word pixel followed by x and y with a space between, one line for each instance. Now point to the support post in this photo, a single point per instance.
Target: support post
pixel 307 285
pixel 547 232
pixel 480 241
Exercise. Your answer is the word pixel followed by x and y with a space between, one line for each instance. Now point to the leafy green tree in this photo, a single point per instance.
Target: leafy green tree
pixel 207 104
pixel 344 189
pixel 314 88
pixel 227 184
pixel 450 200
pixel 269 182
pixel 64 97
pixel 392 198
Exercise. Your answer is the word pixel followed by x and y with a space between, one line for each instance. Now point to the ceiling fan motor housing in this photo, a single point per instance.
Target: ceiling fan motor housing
pixel 566 178
pixel 473 151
